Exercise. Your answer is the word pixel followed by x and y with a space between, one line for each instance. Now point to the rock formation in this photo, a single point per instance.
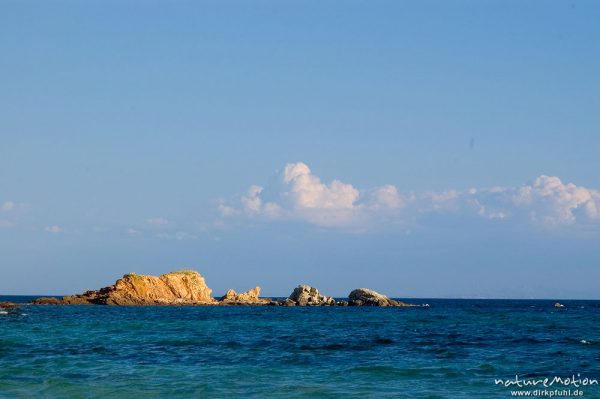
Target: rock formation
pixel 8 305
pixel 305 295
pixel 185 287
pixel 49 301
pixel 288 302
pixel 250 297
pixel 366 297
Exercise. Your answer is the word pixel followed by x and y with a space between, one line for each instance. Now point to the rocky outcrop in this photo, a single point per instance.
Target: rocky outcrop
pixel 48 301
pixel 8 305
pixel 250 297
pixel 187 287
pixel 305 295
pixel 83 299
pixel 366 297
pixel 177 288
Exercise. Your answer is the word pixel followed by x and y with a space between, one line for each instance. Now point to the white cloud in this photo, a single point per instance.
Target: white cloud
pixel 550 201
pixel 272 210
pixel 387 197
pixel 307 191
pixel 226 210
pixel 547 201
pixel 53 229
pixel 7 206
pixel 157 221
pixel 300 195
pixel 252 201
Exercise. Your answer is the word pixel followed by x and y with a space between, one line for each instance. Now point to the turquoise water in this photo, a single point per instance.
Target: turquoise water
pixel 454 349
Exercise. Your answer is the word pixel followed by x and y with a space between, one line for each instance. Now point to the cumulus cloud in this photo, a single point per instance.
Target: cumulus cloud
pixel 387 197
pixel 547 201
pixel 550 201
pixel 308 192
pixel 301 195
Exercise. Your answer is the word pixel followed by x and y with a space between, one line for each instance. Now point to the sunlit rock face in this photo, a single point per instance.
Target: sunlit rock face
pixel 177 288
pixel 305 295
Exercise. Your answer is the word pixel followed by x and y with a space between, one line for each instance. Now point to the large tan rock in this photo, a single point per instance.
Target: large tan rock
pixel 177 288
pixel 185 287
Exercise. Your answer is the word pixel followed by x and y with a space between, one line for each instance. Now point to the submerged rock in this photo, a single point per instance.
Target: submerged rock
pixel 366 297
pixel 185 287
pixel 250 297
pixel 305 295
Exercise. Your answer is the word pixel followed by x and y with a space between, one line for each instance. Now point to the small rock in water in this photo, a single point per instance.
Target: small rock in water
pixel 250 297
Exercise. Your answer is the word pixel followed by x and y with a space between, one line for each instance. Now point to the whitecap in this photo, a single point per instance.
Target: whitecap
pixel 583 341
pixel 3 312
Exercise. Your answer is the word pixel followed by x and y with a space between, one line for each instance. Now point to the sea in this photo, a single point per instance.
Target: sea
pixel 449 349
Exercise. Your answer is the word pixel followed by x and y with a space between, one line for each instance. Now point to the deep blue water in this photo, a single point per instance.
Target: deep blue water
pixel 454 349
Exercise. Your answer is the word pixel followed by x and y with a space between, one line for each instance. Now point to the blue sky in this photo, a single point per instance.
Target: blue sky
pixel 421 149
